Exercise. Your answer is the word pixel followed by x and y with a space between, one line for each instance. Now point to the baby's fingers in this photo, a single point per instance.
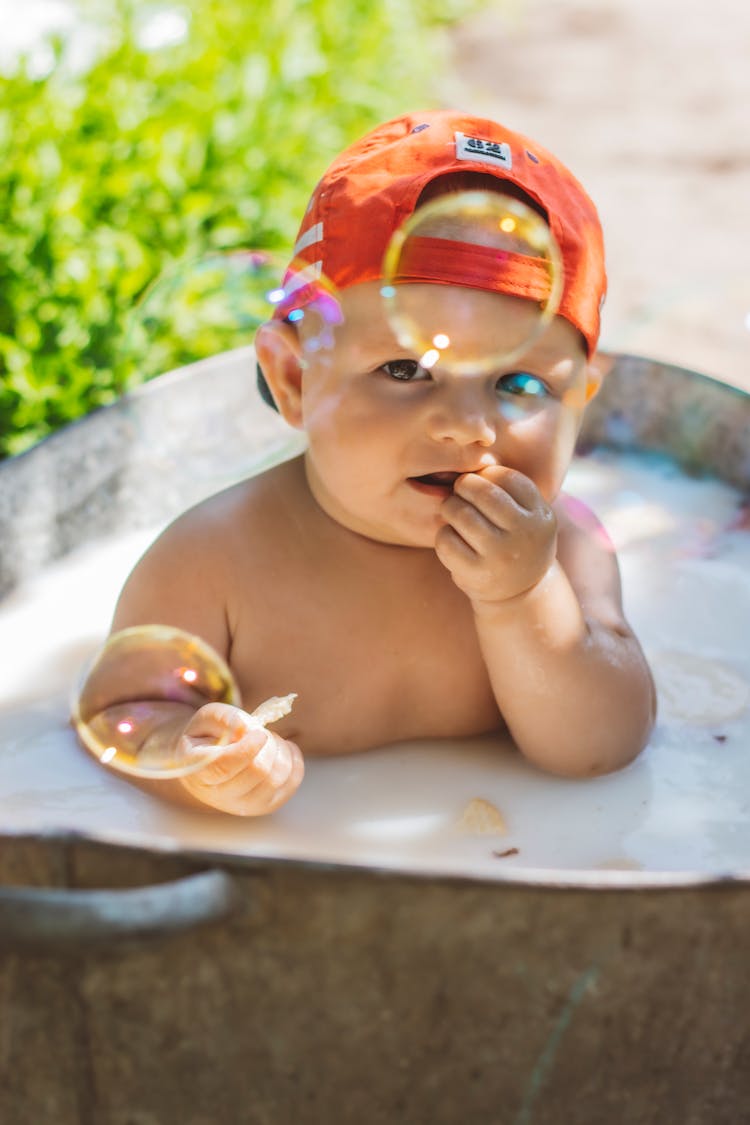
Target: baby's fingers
pixel 277 787
pixel 219 724
pixel 249 779
pixel 224 738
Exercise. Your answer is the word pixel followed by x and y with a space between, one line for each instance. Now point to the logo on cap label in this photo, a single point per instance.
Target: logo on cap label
pixel 486 152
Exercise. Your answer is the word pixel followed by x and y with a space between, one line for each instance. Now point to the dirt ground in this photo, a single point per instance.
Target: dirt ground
pixel 647 102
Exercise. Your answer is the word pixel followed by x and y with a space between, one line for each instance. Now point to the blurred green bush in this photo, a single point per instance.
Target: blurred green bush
pixel 145 160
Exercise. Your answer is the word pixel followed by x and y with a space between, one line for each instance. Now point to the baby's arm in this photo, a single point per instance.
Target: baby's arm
pixel 567 671
pixel 185 581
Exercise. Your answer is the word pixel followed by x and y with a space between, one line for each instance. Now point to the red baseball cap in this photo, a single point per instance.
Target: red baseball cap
pixel 373 187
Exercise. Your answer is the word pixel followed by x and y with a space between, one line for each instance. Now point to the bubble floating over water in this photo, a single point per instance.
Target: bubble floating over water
pixel 494 274
pixel 203 306
pixel 138 693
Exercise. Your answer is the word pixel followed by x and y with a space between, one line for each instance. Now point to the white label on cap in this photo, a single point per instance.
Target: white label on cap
pixel 486 152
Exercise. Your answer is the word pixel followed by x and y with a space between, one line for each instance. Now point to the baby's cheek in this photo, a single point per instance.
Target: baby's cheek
pixel 550 460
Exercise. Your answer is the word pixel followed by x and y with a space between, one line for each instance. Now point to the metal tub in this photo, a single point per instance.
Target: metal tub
pixel 150 985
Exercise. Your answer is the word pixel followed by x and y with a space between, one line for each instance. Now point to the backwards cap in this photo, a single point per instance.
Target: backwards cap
pixel 373 187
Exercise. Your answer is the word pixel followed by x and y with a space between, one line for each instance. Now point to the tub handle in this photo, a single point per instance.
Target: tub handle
pixel 52 919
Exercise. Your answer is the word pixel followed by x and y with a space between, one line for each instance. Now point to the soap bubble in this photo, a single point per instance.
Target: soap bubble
pixel 203 306
pixel 139 692
pixel 309 300
pixel 499 280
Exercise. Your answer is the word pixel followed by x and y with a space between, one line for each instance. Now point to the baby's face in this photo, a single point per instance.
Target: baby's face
pixel 380 427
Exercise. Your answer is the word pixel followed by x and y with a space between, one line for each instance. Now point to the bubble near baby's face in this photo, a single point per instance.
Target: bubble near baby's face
pixel 139 691
pixel 307 299
pixel 471 280
pixel 216 302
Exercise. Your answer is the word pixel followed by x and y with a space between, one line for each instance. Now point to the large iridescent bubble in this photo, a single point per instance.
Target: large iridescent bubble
pixel 493 274
pixel 141 689
pixel 138 693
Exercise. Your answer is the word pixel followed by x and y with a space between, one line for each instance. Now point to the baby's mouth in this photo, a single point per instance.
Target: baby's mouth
pixel 435 484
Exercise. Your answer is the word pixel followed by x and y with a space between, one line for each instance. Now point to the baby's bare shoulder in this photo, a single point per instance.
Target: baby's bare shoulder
pixel 249 512
pixel 207 558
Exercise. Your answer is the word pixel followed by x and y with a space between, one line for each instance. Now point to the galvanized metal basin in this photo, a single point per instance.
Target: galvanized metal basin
pixel 180 975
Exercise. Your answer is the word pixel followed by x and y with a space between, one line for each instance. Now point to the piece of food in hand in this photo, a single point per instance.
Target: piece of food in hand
pixel 273 709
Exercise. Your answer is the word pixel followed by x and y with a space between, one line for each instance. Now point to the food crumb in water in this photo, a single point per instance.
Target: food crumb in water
pixel 481 818
pixel 720 738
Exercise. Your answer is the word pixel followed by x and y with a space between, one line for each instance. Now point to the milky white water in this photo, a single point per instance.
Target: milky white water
pixel 683 806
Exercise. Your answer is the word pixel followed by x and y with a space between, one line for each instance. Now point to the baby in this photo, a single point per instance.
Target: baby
pixel 417 572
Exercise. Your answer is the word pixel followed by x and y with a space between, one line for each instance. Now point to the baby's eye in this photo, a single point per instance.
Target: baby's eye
pixel 405 370
pixel 522 383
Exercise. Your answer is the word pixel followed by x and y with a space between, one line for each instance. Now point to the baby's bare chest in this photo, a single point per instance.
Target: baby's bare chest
pixel 371 663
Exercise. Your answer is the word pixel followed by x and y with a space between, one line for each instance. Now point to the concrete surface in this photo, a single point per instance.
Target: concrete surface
pixel 647 102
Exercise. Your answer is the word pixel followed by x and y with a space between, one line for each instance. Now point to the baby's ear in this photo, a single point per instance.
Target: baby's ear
pixel 278 351
pixel 597 368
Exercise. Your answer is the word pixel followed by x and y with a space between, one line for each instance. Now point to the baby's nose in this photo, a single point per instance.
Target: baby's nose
pixel 462 415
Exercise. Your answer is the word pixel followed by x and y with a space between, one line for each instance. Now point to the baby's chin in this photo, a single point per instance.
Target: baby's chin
pixel 396 534
pixel 395 538
pixel 406 535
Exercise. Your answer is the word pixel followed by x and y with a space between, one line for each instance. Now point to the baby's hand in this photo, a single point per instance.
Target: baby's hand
pixel 499 537
pixel 256 771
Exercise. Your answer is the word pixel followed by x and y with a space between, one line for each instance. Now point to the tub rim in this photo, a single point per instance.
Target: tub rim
pixel 533 878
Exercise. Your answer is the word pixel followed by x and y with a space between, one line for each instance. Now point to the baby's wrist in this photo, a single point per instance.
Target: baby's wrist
pixel 500 608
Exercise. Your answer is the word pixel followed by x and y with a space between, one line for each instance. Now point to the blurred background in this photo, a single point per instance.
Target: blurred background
pixel 146 147
pixel 648 102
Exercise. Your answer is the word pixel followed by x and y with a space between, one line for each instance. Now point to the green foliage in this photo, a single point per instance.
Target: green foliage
pixel 144 163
